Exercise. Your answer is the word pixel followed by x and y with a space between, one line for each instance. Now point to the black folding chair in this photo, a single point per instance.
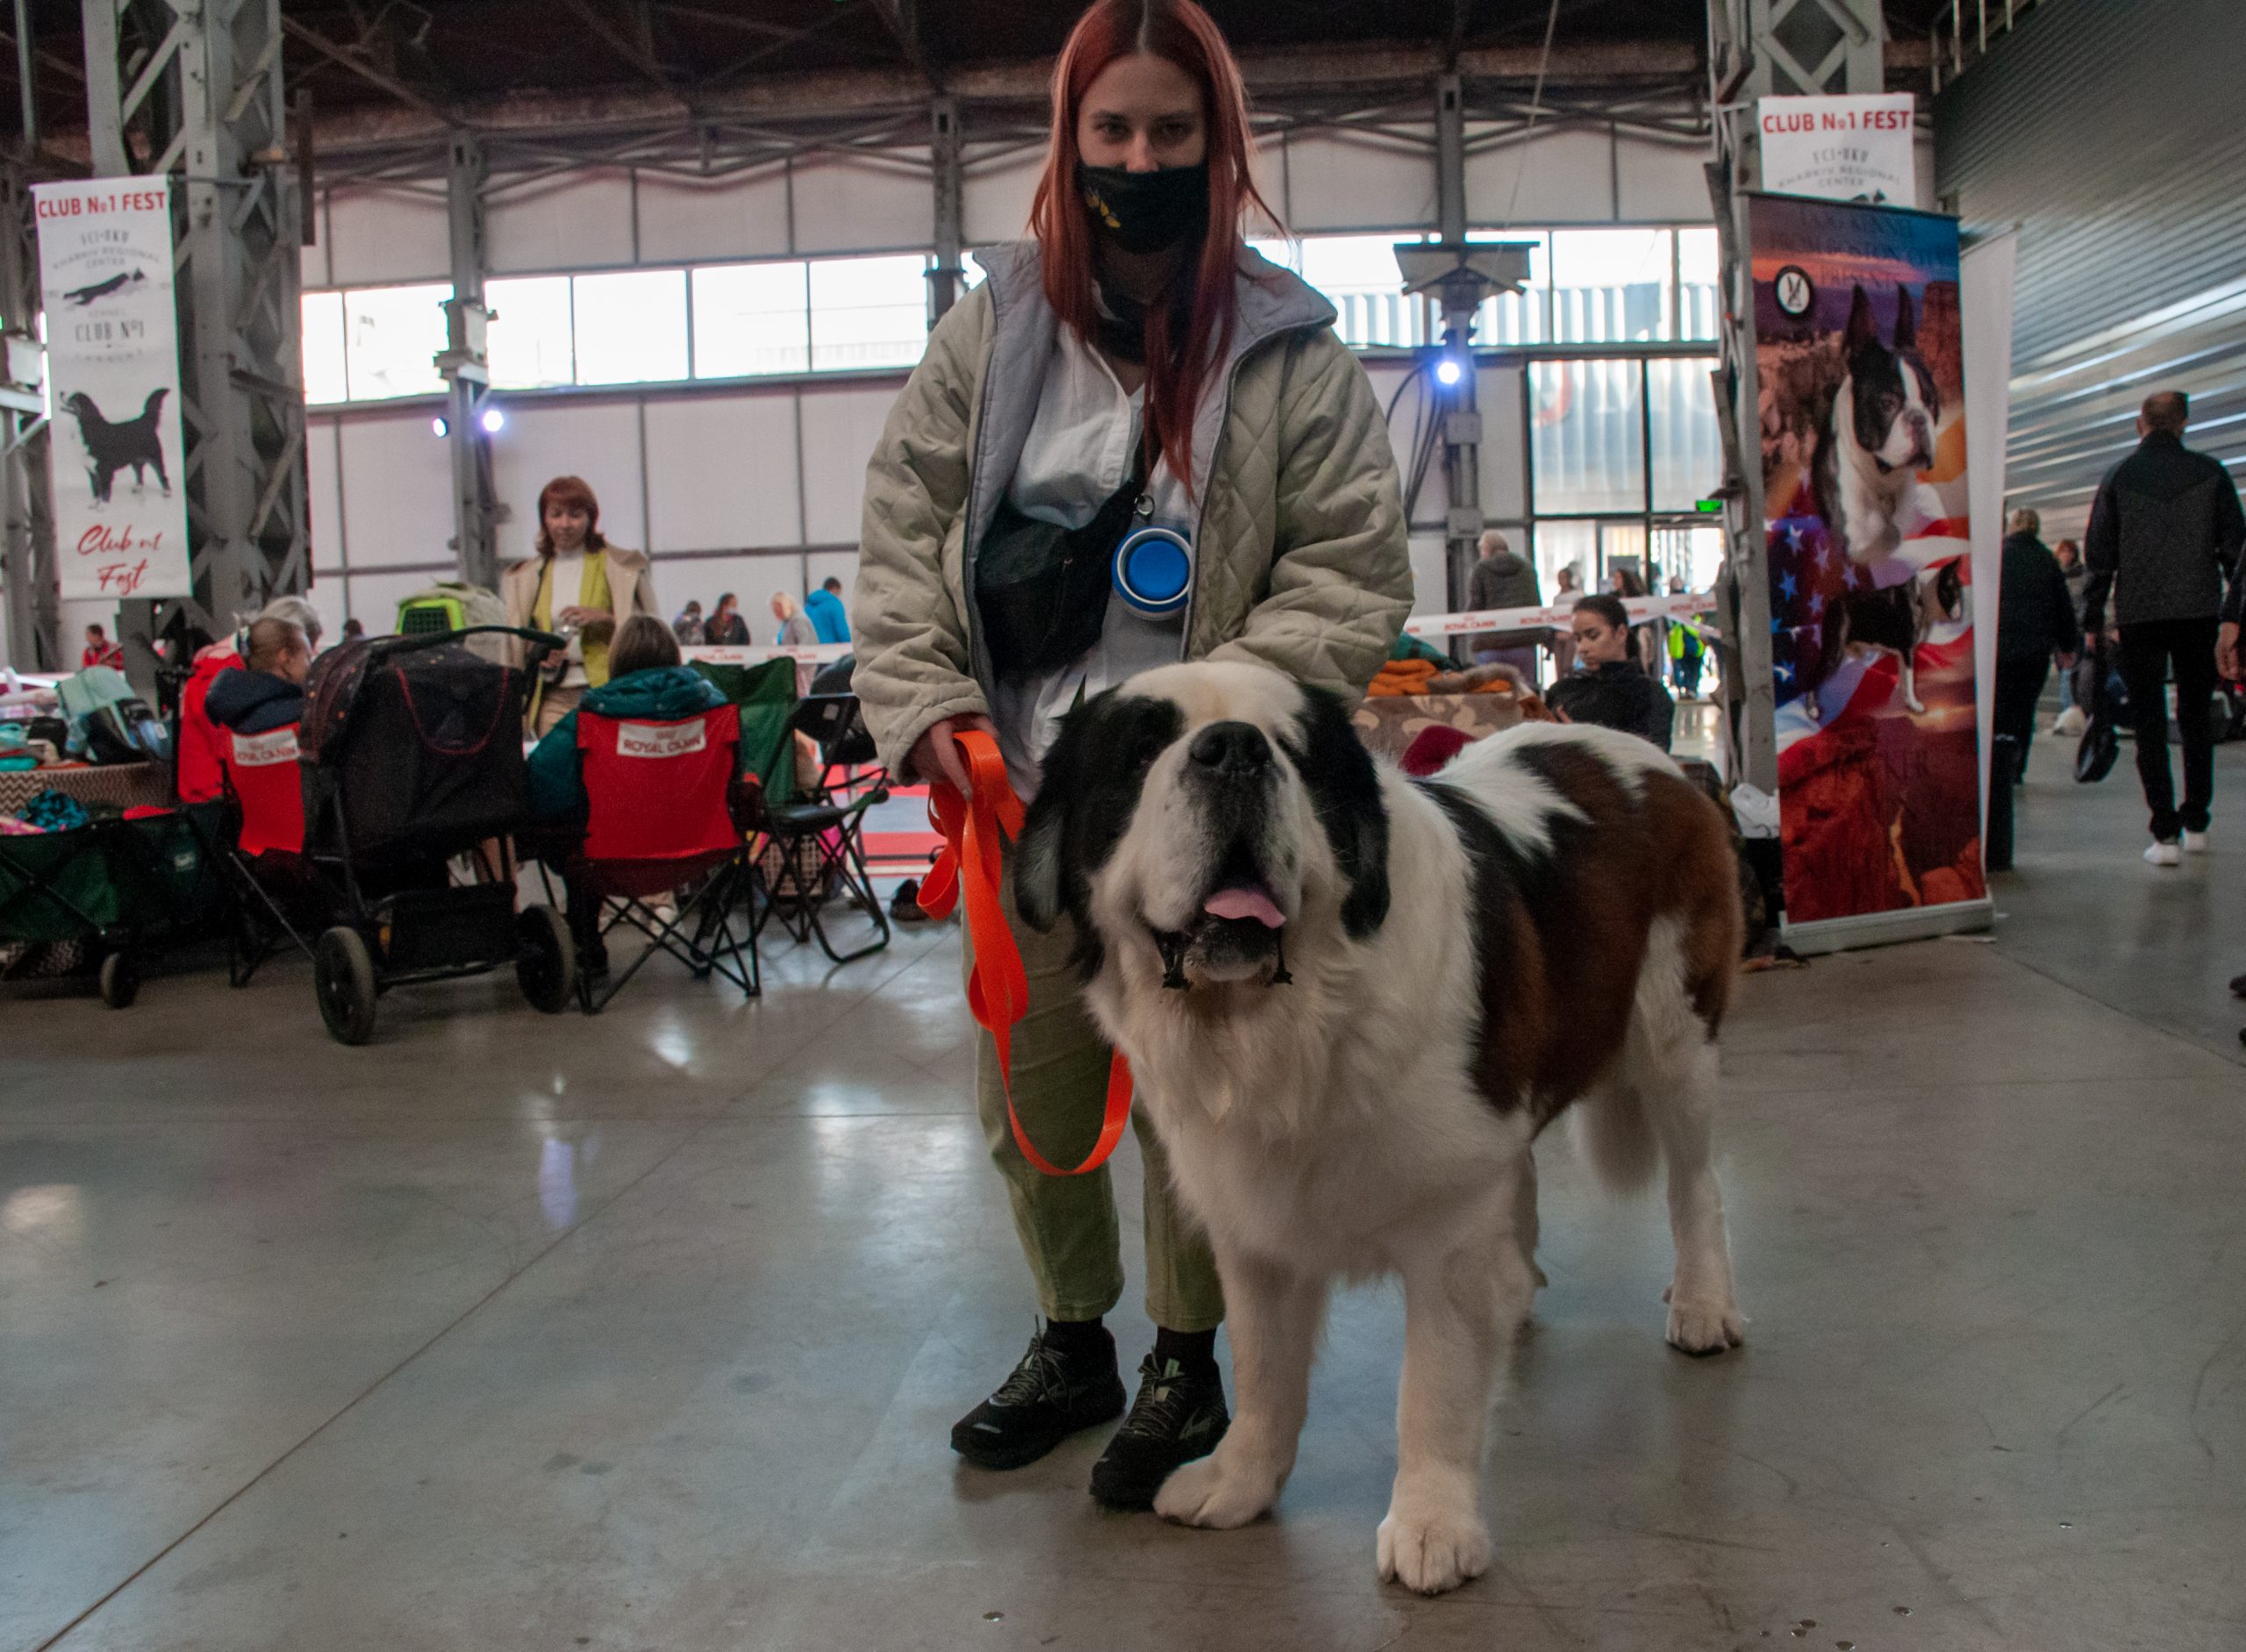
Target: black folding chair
pixel 816 852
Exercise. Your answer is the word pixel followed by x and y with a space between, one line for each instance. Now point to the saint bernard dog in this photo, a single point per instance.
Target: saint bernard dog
pixel 1351 1000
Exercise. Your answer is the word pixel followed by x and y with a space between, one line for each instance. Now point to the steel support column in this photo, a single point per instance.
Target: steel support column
pixel 466 368
pixel 27 536
pixel 946 278
pixel 198 83
pixel 1759 47
pixel 1462 422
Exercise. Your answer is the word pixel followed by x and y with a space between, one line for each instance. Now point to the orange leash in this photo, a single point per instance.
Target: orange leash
pixel 997 990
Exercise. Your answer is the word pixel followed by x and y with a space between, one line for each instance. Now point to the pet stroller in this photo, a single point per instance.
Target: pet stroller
pixel 412 756
pixel 116 890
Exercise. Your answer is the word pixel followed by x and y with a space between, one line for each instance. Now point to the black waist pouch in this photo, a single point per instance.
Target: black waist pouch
pixel 1041 590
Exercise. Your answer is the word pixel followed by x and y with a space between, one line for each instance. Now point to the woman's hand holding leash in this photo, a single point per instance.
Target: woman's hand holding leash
pixel 971 803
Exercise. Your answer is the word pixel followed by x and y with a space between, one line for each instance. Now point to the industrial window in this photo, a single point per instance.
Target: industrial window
pixel 630 327
pixel 1612 286
pixel 1700 312
pixel 1587 449
pixel 1687 456
pixel 868 312
pixel 391 339
pixel 323 330
pixel 751 318
pixel 531 343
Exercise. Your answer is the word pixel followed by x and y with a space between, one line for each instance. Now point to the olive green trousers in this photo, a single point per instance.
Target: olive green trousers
pixel 1068 1223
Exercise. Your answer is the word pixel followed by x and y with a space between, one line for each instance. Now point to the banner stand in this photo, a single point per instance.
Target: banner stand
pixel 1885 929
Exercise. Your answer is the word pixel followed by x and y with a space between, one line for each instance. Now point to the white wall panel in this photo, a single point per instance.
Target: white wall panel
pixel 850 206
pixel 312 262
pixel 1505 479
pixel 398 505
pixel 1661 182
pixel 597 440
pixel 377 237
pixel 1567 177
pixel 1430 594
pixel 685 221
pixel 1337 182
pixel 331 600
pixel 840 427
pixel 996 197
pixel 579 220
pixel 323 497
pixel 721 471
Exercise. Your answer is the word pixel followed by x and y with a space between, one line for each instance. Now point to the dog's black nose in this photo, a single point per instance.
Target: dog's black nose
pixel 1231 748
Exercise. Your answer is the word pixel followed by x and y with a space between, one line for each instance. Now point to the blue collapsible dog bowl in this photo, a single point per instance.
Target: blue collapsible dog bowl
pixel 1153 568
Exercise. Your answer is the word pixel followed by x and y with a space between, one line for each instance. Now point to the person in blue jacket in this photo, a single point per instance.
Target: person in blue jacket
pixel 825 611
pixel 645 680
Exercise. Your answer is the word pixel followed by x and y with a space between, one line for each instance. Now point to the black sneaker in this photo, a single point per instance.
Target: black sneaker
pixel 1053 1393
pixel 1176 1419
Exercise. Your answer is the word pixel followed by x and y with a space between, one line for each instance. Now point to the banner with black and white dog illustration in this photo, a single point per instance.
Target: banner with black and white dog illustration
pixel 112 363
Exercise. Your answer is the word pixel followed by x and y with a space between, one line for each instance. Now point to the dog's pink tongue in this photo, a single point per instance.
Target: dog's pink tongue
pixel 1245 903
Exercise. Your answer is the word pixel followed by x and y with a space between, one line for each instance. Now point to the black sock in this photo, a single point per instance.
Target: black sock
pixel 1195 1351
pixel 1075 1336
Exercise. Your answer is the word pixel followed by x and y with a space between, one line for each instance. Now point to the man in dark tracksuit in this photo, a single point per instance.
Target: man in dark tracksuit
pixel 2035 620
pixel 2164 533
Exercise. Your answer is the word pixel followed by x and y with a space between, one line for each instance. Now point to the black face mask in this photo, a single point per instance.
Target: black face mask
pixel 1146 212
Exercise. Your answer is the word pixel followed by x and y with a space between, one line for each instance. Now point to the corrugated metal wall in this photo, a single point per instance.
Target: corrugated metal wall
pixel 2108 131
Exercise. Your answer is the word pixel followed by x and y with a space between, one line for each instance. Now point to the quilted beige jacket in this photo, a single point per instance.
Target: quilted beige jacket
pixel 1299 562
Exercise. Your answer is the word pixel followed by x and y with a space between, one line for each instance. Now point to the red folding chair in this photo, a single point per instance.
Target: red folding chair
pixel 279 892
pixel 661 823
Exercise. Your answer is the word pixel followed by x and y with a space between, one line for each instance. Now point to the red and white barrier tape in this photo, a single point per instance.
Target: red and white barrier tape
pixel 1685 606
pixel 1682 606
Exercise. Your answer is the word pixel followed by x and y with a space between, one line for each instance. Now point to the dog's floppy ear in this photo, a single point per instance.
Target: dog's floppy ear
pixel 1345 790
pixel 1906 326
pixel 1863 331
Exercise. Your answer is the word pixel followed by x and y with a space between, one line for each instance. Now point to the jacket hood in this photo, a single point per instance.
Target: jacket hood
pixel 236 697
pixel 1272 299
pixel 1507 562
pixel 663 694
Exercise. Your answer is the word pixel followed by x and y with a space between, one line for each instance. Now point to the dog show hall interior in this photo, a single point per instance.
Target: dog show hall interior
pixel 907 824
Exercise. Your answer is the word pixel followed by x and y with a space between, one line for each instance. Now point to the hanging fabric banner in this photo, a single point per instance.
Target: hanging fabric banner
pixel 1842 148
pixel 1859 355
pixel 112 354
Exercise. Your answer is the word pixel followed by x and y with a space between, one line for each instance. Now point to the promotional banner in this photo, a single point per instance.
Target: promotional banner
pixel 1865 493
pixel 1841 148
pixel 112 355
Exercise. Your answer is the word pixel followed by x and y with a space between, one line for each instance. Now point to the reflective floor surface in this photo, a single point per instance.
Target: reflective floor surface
pixel 645 1331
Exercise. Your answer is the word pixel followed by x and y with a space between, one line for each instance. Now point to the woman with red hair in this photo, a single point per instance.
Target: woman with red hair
pixel 1136 441
pixel 578 585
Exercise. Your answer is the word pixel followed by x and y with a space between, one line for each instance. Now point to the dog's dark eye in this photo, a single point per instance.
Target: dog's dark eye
pixel 1151 747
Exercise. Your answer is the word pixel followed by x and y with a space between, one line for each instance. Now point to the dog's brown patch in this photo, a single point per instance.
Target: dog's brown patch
pixel 1563 934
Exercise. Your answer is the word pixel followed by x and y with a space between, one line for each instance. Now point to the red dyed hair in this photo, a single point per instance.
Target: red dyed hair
pixel 1179 32
pixel 570 490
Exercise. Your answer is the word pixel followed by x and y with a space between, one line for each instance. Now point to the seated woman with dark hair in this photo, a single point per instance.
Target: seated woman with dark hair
pixel 647 682
pixel 1608 686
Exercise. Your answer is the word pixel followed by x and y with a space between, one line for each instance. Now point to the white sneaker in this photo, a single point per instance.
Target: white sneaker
pixel 2163 854
pixel 2070 724
pixel 2194 842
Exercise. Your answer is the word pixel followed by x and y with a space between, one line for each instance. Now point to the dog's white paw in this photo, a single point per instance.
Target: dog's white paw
pixel 1217 1493
pixel 1431 1550
pixel 1705 1327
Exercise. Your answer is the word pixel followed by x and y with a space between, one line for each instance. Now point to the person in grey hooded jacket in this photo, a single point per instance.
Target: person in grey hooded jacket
pixel 1137 343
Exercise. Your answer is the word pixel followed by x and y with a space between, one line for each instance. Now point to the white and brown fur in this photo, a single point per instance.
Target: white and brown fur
pixel 1552 920
pixel 1878 434
pixel 1895 620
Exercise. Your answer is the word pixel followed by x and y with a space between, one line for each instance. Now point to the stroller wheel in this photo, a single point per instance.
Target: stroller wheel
pixel 546 958
pixel 120 980
pixel 343 973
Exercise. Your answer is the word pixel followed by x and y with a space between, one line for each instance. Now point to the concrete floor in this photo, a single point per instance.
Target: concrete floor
pixel 646 1332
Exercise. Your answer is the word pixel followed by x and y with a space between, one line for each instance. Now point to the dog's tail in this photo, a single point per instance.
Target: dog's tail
pixel 155 400
pixel 1614 1137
